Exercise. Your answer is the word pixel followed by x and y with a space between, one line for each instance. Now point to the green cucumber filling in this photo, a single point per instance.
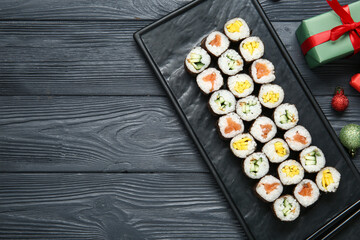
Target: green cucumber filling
pixel 245 106
pixel 287 117
pixel 231 63
pixel 195 60
pixel 287 207
pixel 222 103
pixel 310 158
pixel 255 165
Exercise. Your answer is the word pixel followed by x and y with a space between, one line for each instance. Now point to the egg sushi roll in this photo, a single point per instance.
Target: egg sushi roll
pixel 256 165
pixel 222 102
pixel 312 159
pixel 209 80
pixel 290 172
pixel 269 188
pixel 230 62
pixel 276 150
pixel 251 48
pixel 236 29
pixel 263 129
pixel 286 208
pixel 298 138
pixel 306 192
pixel 271 95
pixel 243 145
pixel 230 125
pixel 197 61
pixel 216 43
pixel 286 116
pixel 248 108
pixel 328 179
pixel 241 85
pixel 262 71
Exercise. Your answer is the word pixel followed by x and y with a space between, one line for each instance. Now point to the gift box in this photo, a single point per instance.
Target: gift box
pixel 332 35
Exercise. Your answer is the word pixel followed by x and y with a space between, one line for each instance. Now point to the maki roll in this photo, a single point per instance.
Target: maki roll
pixel 286 116
pixel 263 129
pixel 243 145
pixel 286 208
pixel 276 150
pixel 230 125
pixel 312 159
pixel 251 48
pixel 241 85
pixel 216 43
pixel 298 138
pixel 262 71
pixel 271 95
pixel 236 29
pixel 256 165
pixel 306 192
pixel 230 62
pixel 210 80
pixel 269 188
pixel 222 102
pixel 290 172
pixel 328 179
pixel 248 108
pixel 197 60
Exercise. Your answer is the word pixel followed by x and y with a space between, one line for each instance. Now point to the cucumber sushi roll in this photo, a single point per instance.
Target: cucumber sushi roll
pixel 248 108
pixel 276 150
pixel 216 43
pixel 286 208
pixel 241 85
pixel 256 165
pixel 222 102
pixel 210 80
pixel 271 95
pixel 312 159
pixel 306 192
pixel 262 71
pixel 286 116
pixel 197 60
pixel 243 145
pixel 290 172
pixel 269 188
pixel 230 62
pixel 298 138
pixel 328 179
pixel 230 125
pixel 263 129
pixel 251 48
pixel 236 29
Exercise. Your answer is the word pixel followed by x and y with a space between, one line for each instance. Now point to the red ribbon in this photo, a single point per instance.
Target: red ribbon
pixel 349 25
pixel 355 82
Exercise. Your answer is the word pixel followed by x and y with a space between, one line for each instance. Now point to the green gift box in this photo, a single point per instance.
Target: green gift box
pixel 330 50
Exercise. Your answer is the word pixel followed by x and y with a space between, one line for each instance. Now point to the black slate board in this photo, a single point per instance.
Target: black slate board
pixel 166 44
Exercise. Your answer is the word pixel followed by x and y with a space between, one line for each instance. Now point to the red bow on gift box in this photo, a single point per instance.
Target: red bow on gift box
pixel 355 82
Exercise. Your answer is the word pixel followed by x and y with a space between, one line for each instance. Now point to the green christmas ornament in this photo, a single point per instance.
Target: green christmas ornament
pixel 350 137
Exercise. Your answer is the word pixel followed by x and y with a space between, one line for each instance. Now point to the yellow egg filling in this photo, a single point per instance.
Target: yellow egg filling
pixel 240 87
pixel 291 171
pixel 327 178
pixel 251 46
pixel 242 144
pixel 279 148
pixel 270 97
pixel 234 27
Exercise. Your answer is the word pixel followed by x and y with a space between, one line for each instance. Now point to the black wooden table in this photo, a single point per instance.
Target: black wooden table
pixel 90 147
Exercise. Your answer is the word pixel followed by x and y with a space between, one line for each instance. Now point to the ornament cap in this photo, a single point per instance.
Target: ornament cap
pixel 339 90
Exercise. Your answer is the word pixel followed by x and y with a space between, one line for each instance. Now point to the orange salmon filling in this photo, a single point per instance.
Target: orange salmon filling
pixel 261 70
pixel 210 78
pixel 216 41
pixel 300 138
pixel 269 187
pixel 266 128
pixel 232 126
pixel 306 190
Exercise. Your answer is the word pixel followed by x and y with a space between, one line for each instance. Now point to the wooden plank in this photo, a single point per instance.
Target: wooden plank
pixel 114 206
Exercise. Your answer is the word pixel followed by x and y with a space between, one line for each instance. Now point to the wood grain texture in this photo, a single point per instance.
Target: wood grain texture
pixel 114 206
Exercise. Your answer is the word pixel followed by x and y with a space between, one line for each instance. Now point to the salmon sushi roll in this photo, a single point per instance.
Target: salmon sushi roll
pixel 236 29
pixel 230 125
pixel 269 188
pixel 251 48
pixel 263 129
pixel 262 71
pixel 216 43
pixel 328 179
pixel 286 116
pixel 230 62
pixel 276 150
pixel 197 61
pixel 241 85
pixel 312 159
pixel 286 208
pixel 256 165
pixel 298 138
pixel 248 108
pixel 306 192
pixel 209 80
pixel 290 172
pixel 271 95
pixel 222 102
pixel 242 145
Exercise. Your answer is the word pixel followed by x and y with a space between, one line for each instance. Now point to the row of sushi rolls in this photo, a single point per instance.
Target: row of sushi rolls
pixel 237 104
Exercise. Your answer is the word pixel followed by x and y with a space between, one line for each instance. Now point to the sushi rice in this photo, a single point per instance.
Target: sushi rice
pixel 210 80
pixel 306 192
pixel 251 48
pixel 222 102
pixel 262 71
pixel 286 116
pixel 312 159
pixel 236 29
pixel 286 208
pixel 248 108
pixel 263 129
pixel 256 165
pixel 269 188
pixel 276 150
pixel 230 62
pixel 216 43
pixel 243 145
pixel 298 138
pixel 328 179
pixel 271 95
pixel 241 85
pixel 230 125
pixel 290 172
pixel 197 60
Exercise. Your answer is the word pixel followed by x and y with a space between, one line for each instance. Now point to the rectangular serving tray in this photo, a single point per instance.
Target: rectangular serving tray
pixel 166 43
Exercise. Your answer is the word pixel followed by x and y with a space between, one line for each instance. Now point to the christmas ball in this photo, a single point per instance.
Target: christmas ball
pixel 350 137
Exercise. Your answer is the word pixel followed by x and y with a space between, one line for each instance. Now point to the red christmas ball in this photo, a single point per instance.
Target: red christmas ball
pixel 339 102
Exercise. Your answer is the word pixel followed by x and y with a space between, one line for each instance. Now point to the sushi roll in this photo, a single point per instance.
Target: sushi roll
pixel 271 95
pixel 248 108
pixel 256 165
pixel 197 61
pixel 286 208
pixel 210 80
pixel 222 102
pixel 263 129
pixel 243 145
pixel 236 29
pixel 262 71
pixel 230 125
pixel 230 62
pixel 269 188
pixel 306 192
pixel 298 138
pixel 216 43
pixel 312 159
pixel 241 85
pixel 251 48
pixel 276 150
pixel 328 179
pixel 286 116
pixel 290 172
